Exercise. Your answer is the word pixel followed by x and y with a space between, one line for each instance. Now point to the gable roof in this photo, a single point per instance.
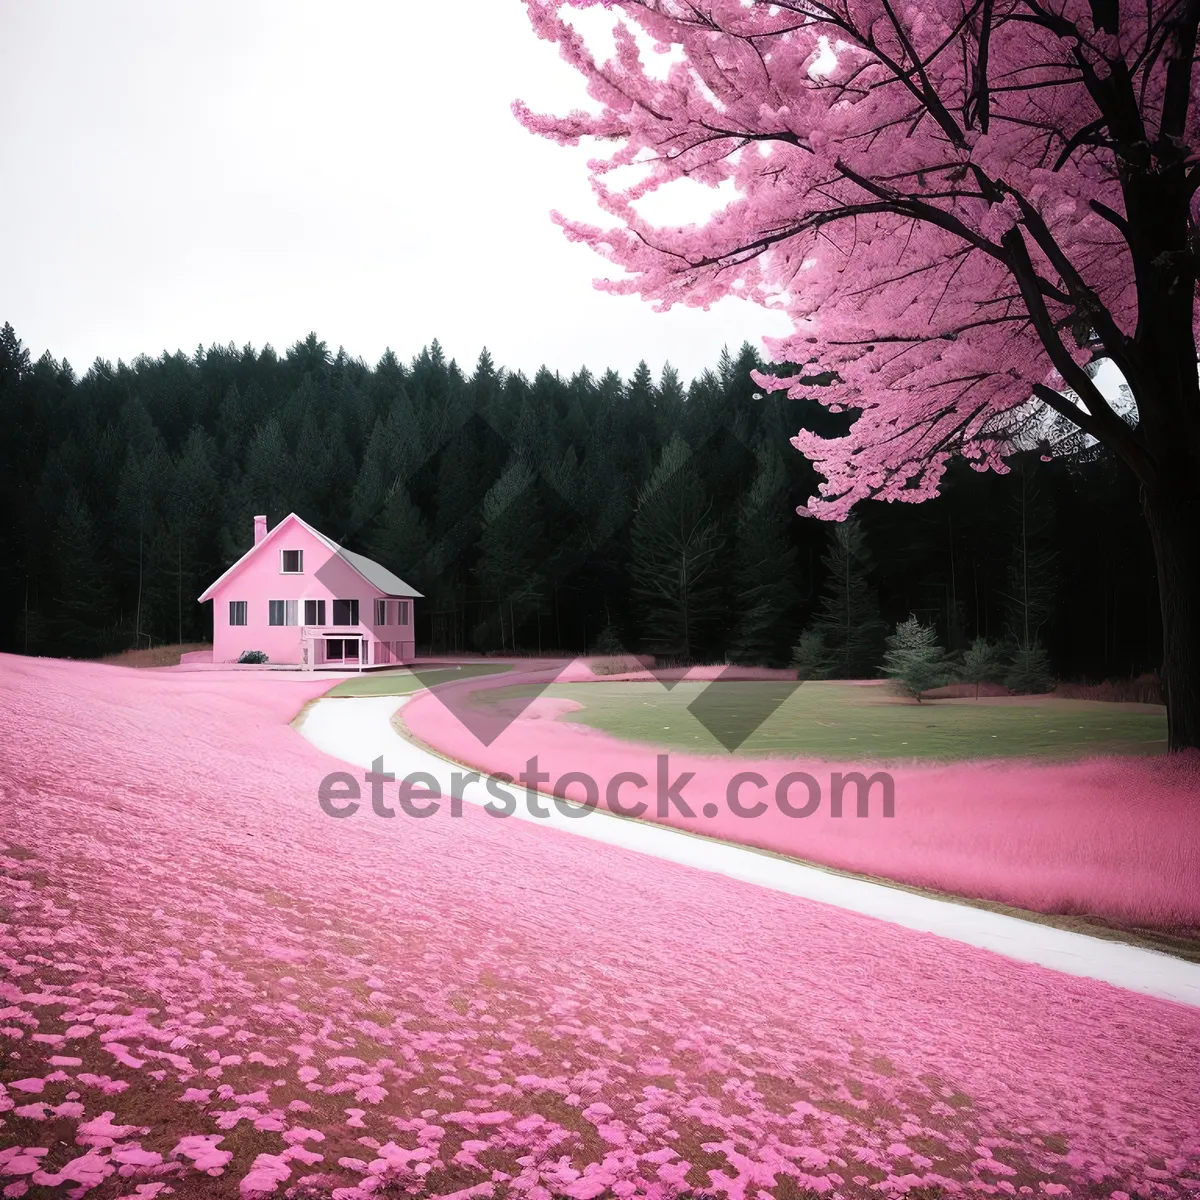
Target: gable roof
pixel 376 575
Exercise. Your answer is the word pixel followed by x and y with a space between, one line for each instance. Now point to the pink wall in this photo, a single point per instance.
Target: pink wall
pixel 259 579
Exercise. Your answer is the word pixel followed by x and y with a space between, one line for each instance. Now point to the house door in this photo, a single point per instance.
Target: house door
pixel 342 650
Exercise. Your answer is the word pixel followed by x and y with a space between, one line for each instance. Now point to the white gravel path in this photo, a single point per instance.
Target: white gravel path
pixel 358 730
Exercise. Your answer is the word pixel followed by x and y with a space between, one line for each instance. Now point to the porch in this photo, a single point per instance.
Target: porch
pixel 354 647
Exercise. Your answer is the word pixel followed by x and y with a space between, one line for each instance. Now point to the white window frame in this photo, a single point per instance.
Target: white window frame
pixel 299 562
pixel 403 611
pixel 359 659
pixel 319 607
pixel 290 613
pixel 381 612
pixel 356 612
pixel 237 608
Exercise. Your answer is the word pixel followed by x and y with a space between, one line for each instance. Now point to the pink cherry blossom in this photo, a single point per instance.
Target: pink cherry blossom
pixel 961 206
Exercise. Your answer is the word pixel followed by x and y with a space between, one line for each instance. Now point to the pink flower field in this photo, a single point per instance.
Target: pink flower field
pixel 1111 837
pixel 210 989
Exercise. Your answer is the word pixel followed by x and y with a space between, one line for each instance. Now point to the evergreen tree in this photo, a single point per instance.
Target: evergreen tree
pixel 311 356
pixel 641 397
pixel 82 619
pixel 812 658
pixel 608 641
pixel 194 508
pixel 399 539
pixel 765 596
pixel 140 552
pixel 914 658
pixel 669 404
pixel 14 357
pixel 1032 584
pixel 233 423
pixel 508 568
pixel 982 662
pixel 675 540
pixel 370 486
pixel 1029 670
pixel 267 484
pixel 848 615
pixel 187 447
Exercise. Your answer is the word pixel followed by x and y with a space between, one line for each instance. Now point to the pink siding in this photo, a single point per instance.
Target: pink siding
pixel 326 576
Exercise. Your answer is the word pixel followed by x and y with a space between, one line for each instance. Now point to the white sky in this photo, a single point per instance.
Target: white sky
pixel 191 173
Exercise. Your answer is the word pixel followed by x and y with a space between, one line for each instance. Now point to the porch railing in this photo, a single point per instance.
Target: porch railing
pixel 389 645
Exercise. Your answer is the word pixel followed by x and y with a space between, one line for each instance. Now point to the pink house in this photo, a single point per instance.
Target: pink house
pixel 301 598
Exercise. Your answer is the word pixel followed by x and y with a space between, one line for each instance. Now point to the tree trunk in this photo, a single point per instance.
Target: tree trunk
pixel 1174 520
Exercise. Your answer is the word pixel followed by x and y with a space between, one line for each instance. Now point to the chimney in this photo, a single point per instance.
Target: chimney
pixel 260 529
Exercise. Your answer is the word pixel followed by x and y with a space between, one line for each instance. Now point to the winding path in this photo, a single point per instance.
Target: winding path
pixel 359 730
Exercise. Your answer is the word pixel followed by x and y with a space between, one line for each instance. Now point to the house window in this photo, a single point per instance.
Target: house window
pixel 381 612
pixel 314 612
pixel 282 612
pixel 292 562
pixel 237 612
pixel 402 607
pixel 345 612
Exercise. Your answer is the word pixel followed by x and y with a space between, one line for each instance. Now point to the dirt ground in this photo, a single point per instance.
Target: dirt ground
pixel 154 656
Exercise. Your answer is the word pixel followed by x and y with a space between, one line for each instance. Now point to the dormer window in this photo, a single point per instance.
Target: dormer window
pixel 292 562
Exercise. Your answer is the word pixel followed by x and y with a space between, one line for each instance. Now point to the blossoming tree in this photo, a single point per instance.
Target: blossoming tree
pixel 961 204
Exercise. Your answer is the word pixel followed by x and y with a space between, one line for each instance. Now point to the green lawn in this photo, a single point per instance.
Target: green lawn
pixel 403 682
pixel 843 722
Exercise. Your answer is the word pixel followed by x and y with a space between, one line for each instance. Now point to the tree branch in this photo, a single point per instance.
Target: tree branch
pixel 1099 420
pixel 982 111
pixel 1177 97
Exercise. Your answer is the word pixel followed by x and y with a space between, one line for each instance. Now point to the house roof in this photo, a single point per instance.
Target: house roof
pixel 376 575
pixel 379 575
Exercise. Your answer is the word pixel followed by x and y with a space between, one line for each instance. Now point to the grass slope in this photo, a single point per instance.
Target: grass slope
pixel 405 682
pixel 843 722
